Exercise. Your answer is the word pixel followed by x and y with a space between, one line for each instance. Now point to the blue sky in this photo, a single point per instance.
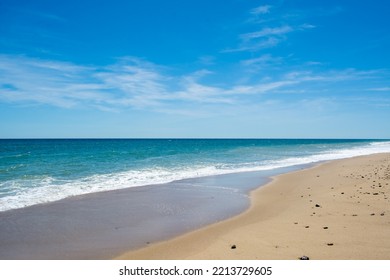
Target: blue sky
pixel 173 68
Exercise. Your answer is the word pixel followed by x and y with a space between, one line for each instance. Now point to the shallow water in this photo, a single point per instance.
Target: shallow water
pixel 103 225
pixel 41 171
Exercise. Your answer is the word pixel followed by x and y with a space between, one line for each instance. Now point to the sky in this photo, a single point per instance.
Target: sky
pixel 195 69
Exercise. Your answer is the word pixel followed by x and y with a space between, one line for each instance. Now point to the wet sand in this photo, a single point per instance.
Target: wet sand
pixel 337 210
pixel 104 225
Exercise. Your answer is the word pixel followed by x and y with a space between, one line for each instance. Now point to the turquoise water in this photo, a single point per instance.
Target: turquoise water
pixel 38 171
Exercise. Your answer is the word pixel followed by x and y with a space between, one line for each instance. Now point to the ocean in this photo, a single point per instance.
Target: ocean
pixel 36 171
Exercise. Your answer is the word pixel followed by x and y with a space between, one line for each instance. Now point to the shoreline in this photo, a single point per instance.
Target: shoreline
pixel 104 224
pixel 335 210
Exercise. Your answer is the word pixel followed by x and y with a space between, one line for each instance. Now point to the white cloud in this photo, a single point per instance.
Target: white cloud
pixel 49 82
pixel 265 9
pixel 306 26
pixel 264 60
pixel 314 63
pixel 133 83
pixel 206 60
pixel 267 31
pixel 255 45
pixel 380 89
pixel 268 36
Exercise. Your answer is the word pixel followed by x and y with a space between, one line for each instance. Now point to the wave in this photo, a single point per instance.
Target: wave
pixel 22 193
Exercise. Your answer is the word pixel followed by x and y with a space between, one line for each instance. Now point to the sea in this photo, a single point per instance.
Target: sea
pixel 36 171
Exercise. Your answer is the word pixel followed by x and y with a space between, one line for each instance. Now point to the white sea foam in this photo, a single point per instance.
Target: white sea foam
pixel 49 189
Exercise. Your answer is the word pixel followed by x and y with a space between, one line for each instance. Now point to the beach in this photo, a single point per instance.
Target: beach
pixel 335 210
pixel 194 199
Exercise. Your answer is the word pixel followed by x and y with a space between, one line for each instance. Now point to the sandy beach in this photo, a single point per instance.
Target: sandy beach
pixel 336 210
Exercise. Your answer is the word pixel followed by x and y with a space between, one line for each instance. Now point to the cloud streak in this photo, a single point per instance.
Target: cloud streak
pixel 264 60
pixel 267 36
pixel 381 89
pixel 261 10
pixel 131 83
pixel 267 31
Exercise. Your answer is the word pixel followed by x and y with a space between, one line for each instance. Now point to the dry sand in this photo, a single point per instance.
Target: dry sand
pixel 337 210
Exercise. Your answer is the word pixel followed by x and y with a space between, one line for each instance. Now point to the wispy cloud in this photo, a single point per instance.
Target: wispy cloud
pixel 263 60
pixel 267 36
pixel 267 31
pixel 261 10
pixel 380 89
pixel 206 60
pixel 314 63
pixel 306 26
pixel 131 83
pixel 255 45
pixel 47 82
